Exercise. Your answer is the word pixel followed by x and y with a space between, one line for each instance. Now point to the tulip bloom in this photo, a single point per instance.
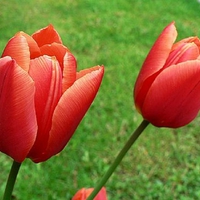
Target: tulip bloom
pixel 167 90
pixel 84 193
pixel 43 98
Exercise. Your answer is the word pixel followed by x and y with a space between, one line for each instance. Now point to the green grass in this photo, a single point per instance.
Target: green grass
pixel 164 163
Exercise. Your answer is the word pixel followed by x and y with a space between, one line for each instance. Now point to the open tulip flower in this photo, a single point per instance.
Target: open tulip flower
pixel 84 193
pixel 167 90
pixel 42 96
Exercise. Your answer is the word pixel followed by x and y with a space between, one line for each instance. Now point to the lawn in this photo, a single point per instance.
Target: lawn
pixel 164 163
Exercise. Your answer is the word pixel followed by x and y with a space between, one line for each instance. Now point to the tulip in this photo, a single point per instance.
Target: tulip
pixel 43 98
pixel 167 90
pixel 84 193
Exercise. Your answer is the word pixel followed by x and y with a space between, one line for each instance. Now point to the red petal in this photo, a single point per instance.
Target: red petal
pixel 182 53
pixel 173 98
pixel 55 49
pixel 69 71
pixel 101 195
pixel 80 195
pixel 46 74
pixel 84 193
pixel 46 35
pixel 84 72
pixel 18 126
pixel 194 40
pixel 33 47
pixel 18 49
pixel 157 56
pixel 70 110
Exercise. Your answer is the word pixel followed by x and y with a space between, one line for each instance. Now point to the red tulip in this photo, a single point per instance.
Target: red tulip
pixel 43 98
pixel 84 193
pixel 167 90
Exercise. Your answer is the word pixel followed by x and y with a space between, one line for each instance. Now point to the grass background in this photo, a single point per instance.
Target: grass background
pixel 164 163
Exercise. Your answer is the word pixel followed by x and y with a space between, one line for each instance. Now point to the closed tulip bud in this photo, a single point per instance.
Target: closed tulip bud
pixel 84 193
pixel 43 98
pixel 167 90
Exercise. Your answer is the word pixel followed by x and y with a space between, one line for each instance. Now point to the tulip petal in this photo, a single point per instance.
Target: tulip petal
pixel 182 53
pixel 156 57
pixel 69 71
pixel 84 193
pixel 18 49
pixel 194 40
pixel 46 35
pixel 84 72
pixel 18 126
pixel 173 98
pixel 33 47
pixel 46 73
pixel 70 110
pixel 55 49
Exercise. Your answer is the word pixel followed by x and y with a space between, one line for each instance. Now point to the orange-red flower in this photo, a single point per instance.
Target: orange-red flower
pixel 84 193
pixel 167 90
pixel 42 96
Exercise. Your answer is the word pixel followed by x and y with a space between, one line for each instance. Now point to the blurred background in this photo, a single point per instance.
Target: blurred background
pixel 164 163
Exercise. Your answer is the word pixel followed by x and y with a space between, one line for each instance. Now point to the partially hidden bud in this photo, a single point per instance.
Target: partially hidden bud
pixel 84 193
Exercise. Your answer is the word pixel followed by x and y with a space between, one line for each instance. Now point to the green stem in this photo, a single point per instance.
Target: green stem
pixel 11 180
pixel 119 158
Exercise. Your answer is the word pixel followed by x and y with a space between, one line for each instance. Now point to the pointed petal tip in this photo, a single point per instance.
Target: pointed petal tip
pixel 96 69
pixel 17 48
pixel 157 56
pixel 170 29
pixel 47 35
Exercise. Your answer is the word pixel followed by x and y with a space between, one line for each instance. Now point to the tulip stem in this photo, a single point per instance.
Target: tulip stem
pixel 119 158
pixel 11 180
